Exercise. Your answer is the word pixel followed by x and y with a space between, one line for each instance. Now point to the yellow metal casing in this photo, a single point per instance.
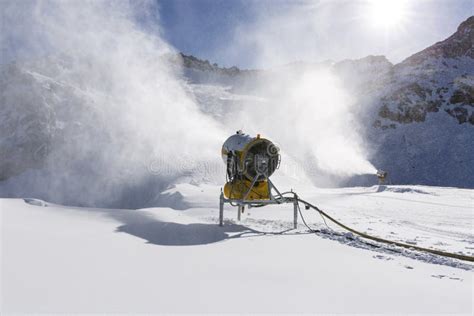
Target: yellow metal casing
pixel 238 188
pixel 244 149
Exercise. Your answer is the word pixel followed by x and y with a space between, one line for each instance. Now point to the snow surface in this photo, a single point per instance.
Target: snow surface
pixel 82 260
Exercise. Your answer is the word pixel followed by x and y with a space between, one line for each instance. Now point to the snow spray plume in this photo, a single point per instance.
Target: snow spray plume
pixel 307 110
pixel 118 120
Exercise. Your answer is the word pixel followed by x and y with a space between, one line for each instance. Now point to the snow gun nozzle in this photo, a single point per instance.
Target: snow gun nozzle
pixel 382 175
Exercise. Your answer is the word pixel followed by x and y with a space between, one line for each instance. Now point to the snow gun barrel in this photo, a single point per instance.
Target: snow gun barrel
pixel 382 176
pixel 250 162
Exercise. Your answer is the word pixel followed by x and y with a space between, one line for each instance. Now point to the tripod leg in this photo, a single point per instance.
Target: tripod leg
pixel 240 210
pixel 221 210
pixel 295 214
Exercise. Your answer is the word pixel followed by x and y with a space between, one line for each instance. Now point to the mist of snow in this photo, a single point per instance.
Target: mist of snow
pixel 310 115
pixel 308 110
pixel 115 123
pixel 120 125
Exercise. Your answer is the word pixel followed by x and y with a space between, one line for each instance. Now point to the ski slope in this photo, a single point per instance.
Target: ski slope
pixel 84 260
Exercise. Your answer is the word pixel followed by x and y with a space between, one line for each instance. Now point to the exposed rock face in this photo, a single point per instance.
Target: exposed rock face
pixel 462 101
pixel 457 45
pixel 190 61
pixel 439 77
pixel 412 102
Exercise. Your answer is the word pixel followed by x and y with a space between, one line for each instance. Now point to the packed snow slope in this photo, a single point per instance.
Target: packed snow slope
pixel 83 260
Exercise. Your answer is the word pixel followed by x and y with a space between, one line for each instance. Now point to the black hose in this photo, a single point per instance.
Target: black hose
pixel 378 239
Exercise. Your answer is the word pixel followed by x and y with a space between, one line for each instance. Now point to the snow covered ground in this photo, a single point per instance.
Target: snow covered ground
pixel 81 260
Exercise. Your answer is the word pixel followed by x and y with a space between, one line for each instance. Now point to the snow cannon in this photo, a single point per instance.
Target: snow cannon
pixel 382 175
pixel 250 161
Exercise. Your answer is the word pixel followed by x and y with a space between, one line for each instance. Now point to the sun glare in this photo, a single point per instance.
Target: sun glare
pixel 387 13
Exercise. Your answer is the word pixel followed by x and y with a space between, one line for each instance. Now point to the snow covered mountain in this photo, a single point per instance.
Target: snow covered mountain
pixel 416 119
pixel 425 114
pixel 418 114
pixel 438 78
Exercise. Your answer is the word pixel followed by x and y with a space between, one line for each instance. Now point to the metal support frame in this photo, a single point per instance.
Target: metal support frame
pixel 240 210
pixel 221 209
pixel 295 213
pixel 241 203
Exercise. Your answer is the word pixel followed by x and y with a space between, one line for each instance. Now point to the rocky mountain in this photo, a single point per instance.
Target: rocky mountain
pixel 439 78
pixel 418 114
pixel 425 111
pixel 416 117
pixel 457 45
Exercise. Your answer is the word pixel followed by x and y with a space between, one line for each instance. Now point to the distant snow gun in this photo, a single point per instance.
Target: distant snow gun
pixel 382 176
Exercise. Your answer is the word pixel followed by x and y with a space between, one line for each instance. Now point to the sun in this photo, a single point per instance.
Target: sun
pixel 387 14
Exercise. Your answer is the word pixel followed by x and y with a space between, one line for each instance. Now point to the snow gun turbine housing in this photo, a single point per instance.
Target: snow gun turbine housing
pixel 250 162
pixel 382 176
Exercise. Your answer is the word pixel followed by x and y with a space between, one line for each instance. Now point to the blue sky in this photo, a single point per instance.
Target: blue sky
pixel 260 33
pixel 265 33
pixel 202 26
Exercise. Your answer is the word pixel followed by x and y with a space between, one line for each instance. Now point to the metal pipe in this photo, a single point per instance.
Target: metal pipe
pixel 295 214
pixel 221 209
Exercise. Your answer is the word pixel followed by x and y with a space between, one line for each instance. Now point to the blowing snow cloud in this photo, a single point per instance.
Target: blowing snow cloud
pixel 103 111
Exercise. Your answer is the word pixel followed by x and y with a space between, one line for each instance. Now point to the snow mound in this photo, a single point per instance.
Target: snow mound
pixel 36 202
